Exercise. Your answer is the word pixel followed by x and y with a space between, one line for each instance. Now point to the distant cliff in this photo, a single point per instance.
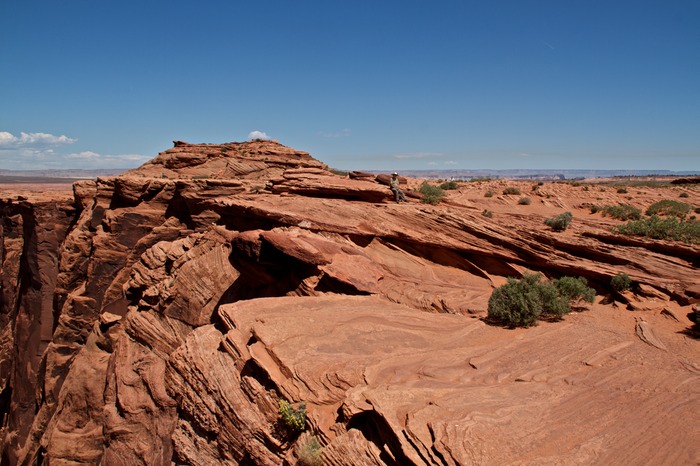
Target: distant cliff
pixel 160 317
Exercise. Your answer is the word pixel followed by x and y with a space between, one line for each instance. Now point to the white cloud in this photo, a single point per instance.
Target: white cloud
pixel 258 135
pixel 418 155
pixel 40 151
pixel 451 162
pixel 38 140
pixel 84 155
pixel 336 134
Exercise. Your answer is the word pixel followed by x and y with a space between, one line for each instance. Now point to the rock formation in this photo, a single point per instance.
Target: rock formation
pixel 159 317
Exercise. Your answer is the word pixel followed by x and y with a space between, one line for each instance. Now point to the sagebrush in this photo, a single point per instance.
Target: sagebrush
pixel 521 303
pixel 431 194
pixel 559 222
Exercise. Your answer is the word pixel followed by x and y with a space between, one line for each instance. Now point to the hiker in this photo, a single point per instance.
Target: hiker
pixel 394 185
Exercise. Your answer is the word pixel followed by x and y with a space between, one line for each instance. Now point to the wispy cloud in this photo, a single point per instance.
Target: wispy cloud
pixel 417 155
pixel 336 134
pixel 451 162
pixel 40 151
pixel 258 135
pixel 35 140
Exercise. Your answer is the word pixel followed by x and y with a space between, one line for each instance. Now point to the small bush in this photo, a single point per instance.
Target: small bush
pixel 489 193
pixel 511 190
pixel 449 185
pixel 621 282
pixel 575 184
pixel 621 190
pixel 431 194
pixel 524 201
pixel 622 212
pixel 560 222
pixel 487 213
pixel 294 418
pixel 520 303
pixel 684 194
pixel 535 187
pixel 309 452
pixel 574 289
pixel 656 227
pixel 669 208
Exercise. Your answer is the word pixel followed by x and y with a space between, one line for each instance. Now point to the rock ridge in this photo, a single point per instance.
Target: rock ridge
pixel 160 316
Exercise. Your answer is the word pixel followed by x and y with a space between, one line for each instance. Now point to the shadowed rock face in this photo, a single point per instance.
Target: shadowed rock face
pixel 159 317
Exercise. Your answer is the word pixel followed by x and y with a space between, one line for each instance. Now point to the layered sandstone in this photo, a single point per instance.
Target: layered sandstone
pixel 159 317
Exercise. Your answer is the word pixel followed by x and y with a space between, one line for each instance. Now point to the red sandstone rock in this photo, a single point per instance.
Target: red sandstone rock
pixel 162 315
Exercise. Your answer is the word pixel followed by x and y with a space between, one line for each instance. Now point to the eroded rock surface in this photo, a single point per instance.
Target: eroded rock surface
pixel 160 317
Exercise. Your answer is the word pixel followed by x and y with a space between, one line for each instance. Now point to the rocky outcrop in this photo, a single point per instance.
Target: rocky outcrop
pixel 161 316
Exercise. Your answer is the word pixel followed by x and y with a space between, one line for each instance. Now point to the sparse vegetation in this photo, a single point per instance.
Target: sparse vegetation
pixel 560 222
pixel 621 282
pixel 669 208
pixel 489 193
pixel 309 452
pixel 511 190
pixel 521 303
pixel 449 185
pixel 622 212
pixel 621 190
pixel 524 201
pixel 431 194
pixel 684 194
pixel 338 172
pixel 669 228
pixel 293 418
pixel 487 213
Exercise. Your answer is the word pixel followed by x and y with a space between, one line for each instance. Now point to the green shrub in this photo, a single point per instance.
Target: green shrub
pixel 524 201
pixel 309 452
pixel 449 185
pixel 575 184
pixel 535 187
pixel 656 227
pixel 621 190
pixel 684 194
pixel 520 303
pixel 669 208
pixel 489 193
pixel 487 213
pixel 294 418
pixel 622 212
pixel 511 190
pixel 560 222
pixel 431 194
pixel 621 282
pixel 574 289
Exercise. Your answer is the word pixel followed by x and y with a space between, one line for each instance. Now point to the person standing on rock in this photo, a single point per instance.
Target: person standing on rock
pixel 394 185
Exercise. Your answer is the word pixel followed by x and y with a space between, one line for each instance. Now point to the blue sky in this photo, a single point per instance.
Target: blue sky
pixel 378 85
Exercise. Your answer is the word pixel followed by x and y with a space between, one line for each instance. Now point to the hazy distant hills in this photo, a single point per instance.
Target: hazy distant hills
pixel 67 175
pixel 539 174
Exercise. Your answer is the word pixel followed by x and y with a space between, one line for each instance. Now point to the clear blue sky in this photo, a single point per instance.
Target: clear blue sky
pixel 360 85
